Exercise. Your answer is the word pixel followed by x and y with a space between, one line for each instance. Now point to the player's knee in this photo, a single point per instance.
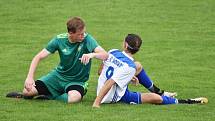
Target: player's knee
pixel 138 67
pixel 74 96
pixel 156 99
pixel 151 98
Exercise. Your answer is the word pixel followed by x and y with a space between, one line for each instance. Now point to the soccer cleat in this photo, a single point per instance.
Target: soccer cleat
pixel 200 100
pixel 18 95
pixel 170 94
pixel 14 95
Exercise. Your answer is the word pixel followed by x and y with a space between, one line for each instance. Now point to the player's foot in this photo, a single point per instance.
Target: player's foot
pixel 18 95
pixel 170 94
pixel 15 95
pixel 200 100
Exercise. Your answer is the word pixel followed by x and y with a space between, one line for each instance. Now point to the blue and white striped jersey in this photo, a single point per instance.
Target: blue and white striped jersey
pixel 121 68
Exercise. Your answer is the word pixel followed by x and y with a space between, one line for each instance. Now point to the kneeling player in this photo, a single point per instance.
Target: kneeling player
pixel 118 71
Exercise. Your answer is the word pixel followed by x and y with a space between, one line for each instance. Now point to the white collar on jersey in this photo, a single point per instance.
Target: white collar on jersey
pixel 127 55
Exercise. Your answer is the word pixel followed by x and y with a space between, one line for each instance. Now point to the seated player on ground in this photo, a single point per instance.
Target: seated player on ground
pixel 118 71
pixel 68 81
pixel 142 78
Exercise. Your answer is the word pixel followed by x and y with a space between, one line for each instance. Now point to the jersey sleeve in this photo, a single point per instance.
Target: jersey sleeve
pixel 123 76
pixel 52 45
pixel 91 43
pixel 112 50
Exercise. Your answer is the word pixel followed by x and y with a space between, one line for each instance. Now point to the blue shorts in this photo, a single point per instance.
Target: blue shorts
pixel 131 97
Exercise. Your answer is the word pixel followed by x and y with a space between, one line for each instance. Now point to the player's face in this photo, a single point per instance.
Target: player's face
pixel 78 36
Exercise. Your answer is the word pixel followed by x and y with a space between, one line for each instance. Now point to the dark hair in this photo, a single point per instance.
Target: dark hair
pixel 134 42
pixel 74 24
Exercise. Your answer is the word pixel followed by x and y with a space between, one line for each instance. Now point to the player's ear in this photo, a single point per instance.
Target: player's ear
pixel 125 45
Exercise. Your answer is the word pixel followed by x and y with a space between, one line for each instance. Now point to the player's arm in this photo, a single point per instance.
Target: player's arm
pixel 135 81
pixel 29 82
pixel 98 53
pixel 107 86
pixel 139 68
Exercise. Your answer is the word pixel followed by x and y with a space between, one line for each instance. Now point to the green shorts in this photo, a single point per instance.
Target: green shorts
pixel 57 86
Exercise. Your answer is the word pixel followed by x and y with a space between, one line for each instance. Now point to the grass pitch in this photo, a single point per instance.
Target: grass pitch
pixel 178 54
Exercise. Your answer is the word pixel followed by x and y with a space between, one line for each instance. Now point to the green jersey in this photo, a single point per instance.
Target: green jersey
pixel 70 67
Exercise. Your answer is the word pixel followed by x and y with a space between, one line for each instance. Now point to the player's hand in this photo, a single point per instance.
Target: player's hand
pixel 29 83
pixel 86 58
pixel 96 103
pixel 95 106
pixel 135 80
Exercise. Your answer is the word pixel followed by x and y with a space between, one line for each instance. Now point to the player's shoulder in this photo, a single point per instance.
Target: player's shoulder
pixel 123 58
pixel 114 51
pixel 88 37
pixel 62 36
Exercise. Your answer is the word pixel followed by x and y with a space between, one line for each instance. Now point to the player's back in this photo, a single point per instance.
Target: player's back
pixel 120 67
pixel 118 59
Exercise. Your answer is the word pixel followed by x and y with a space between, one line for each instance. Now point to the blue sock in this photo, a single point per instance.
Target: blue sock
pixel 169 100
pixel 148 83
pixel 145 80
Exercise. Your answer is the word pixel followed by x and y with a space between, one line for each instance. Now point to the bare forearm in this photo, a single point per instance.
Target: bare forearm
pixel 101 95
pixel 33 67
pixel 29 82
pixel 107 86
pixel 100 55
pixel 42 54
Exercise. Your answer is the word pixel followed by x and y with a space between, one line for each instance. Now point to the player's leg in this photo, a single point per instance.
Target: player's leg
pixel 74 93
pixel 131 97
pixel 46 86
pixel 145 80
pixel 148 83
pixel 157 99
pixel 31 94
pixel 74 96
pixel 63 97
pixel 39 89
pixel 200 100
pixel 153 98
pixel 25 94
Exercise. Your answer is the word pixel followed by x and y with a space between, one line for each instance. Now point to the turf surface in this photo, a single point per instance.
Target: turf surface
pixel 178 54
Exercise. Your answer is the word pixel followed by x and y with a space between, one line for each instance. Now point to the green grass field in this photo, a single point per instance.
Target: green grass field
pixel 178 54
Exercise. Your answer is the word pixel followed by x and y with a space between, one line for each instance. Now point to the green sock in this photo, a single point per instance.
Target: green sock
pixel 63 97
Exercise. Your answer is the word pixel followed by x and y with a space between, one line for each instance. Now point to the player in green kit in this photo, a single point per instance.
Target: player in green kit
pixel 68 81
